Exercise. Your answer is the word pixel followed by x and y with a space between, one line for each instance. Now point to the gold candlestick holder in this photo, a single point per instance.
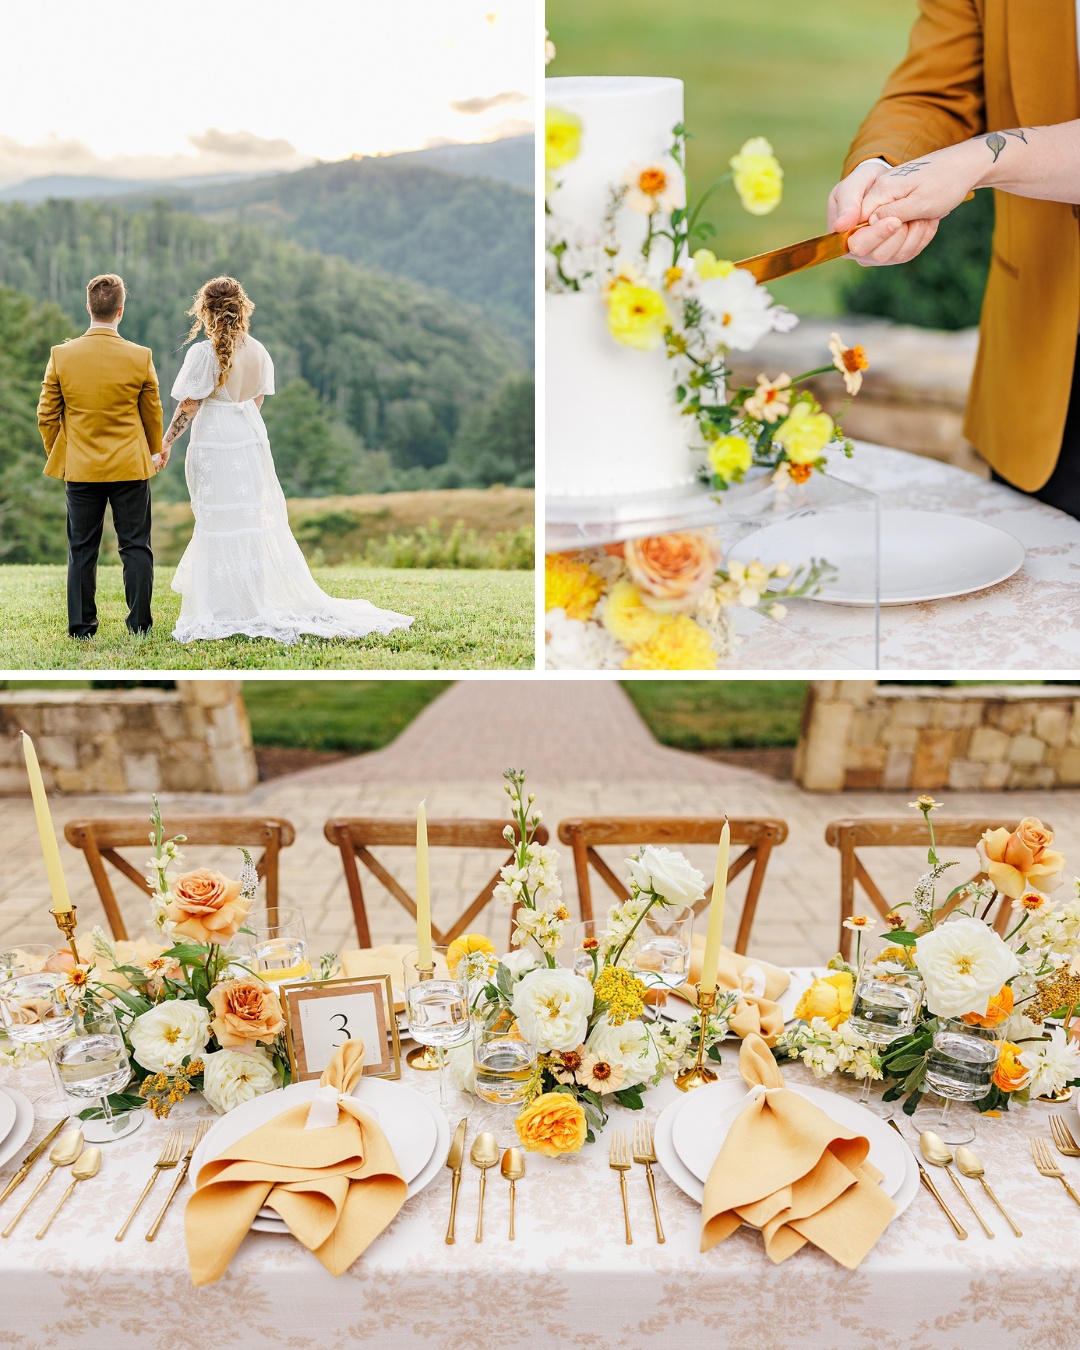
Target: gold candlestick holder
pixel 699 1074
pixel 424 1057
pixel 65 921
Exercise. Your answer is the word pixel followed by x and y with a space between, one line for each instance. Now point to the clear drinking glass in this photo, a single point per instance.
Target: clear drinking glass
pixel 91 1064
pixel 503 1061
pixel 960 1068
pixel 24 958
pixel 31 1016
pixel 279 946
pixel 437 1007
pixel 662 956
pixel 887 997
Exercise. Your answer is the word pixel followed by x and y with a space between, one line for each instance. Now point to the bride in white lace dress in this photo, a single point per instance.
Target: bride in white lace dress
pixel 243 572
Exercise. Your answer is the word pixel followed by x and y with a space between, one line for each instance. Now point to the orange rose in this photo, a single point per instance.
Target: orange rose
pixel 1022 860
pixel 997 1010
pixel 672 568
pixel 206 906
pixel 553 1124
pixel 245 1011
pixel 1010 1074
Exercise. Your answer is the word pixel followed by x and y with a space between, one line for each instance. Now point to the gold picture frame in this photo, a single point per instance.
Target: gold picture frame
pixel 310 1037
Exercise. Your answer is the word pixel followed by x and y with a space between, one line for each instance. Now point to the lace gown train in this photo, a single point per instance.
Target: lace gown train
pixel 243 572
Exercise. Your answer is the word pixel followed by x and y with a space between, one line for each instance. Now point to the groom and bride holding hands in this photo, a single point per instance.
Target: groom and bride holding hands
pixel 101 421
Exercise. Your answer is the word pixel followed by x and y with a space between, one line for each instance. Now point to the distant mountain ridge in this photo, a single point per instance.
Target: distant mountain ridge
pixel 79 187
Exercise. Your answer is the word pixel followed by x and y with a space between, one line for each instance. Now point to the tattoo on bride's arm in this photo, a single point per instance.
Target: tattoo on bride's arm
pixel 905 169
pixel 179 424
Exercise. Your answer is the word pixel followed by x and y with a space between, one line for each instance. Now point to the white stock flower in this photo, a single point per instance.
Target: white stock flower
pixel 630 1046
pixel 963 963
pixel 1052 1063
pixel 1057 931
pixel 164 1037
pixel 232 1077
pixel 552 1008
pixel 520 961
pixel 667 873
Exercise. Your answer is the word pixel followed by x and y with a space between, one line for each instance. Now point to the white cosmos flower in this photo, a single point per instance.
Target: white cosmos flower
pixel 232 1077
pixel 667 873
pixel 963 963
pixel 738 312
pixel 166 1035
pixel 629 1046
pixel 552 1008
pixel 1053 1063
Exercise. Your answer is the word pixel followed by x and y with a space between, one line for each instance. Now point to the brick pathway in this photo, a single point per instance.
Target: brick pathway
pixel 586 752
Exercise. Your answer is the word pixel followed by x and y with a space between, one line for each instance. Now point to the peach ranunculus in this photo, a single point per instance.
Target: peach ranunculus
pixel 1010 1074
pixel 245 1011
pixel 673 569
pixel 206 906
pixel 1021 860
pixel 997 1010
pixel 552 1124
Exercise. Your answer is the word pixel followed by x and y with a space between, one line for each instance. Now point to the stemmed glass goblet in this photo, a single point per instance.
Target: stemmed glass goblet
pixel 503 1061
pixel 960 1068
pixel 887 997
pixel 91 1064
pixel 32 1015
pixel 437 1008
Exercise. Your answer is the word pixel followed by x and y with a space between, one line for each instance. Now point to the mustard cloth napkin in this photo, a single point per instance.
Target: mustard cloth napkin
pixel 757 1011
pixel 362 963
pixel 789 1170
pixel 337 1187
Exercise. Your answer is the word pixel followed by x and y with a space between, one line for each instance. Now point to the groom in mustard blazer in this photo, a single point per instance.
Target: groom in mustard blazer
pixel 100 418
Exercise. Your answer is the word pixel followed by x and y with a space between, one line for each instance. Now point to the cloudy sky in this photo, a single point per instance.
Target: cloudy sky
pixel 176 88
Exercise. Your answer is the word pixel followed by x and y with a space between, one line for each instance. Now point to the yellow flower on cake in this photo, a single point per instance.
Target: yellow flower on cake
pixel 678 644
pixel 805 433
pixel 651 188
pixel 829 998
pixel 637 314
pixel 562 137
pixel 730 457
pixel 571 585
pixel 552 1124
pixel 626 618
pixel 771 400
pixel 849 361
pixel 759 179
pixel 708 265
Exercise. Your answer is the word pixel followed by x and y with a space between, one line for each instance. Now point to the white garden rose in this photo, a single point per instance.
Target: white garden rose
pixel 232 1077
pixel 668 874
pixel 552 1008
pixel 166 1035
pixel 963 963
pixel 629 1046
pixel 519 961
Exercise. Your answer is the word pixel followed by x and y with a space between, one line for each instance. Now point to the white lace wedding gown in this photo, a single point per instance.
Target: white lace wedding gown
pixel 243 572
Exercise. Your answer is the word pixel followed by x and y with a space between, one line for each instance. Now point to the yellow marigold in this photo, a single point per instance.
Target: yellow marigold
pixel 829 997
pixel 804 433
pixel 730 457
pixel 562 137
pixel 637 315
pixel 571 585
pixel 678 644
pixel 552 1124
pixel 708 265
pixel 623 993
pixel 465 946
pixel 759 179
pixel 626 618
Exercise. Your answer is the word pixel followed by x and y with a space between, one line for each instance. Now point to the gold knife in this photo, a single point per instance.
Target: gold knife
pixel 31 1158
pixel 929 1184
pixel 781 262
pixel 453 1161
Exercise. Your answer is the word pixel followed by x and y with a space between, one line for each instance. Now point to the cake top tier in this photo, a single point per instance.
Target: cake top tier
pixel 610 86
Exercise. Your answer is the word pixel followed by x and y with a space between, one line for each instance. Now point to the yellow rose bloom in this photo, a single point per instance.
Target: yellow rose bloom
pixel 678 644
pixel 759 179
pixel 730 457
pixel 637 315
pixel 830 998
pixel 553 1124
pixel 804 433
pixel 466 945
pixel 571 585
pixel 626 618
pixel 707 265
pixel 562 137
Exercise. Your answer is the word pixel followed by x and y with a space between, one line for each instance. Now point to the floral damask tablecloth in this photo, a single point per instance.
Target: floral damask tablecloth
pixel 568 1280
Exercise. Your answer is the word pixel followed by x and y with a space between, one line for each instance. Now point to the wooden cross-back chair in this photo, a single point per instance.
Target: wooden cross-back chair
pixel 356 836
pixel 757 836
pixel 850 834
pixel 99 840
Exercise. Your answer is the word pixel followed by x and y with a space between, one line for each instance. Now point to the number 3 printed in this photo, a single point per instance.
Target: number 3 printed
pixel 344 1027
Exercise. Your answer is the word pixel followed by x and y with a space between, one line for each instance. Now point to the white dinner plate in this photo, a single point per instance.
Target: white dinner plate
pixel 7 1116
pixel 22 1127
pixel 678 1009
pixel 701 1125
pixel 925 555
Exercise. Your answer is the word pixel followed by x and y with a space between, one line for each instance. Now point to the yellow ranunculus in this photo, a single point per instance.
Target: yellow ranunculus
pixel 562 137
pixel 708 265
pixel 465 946
pixel 829 997
pixel 730 457
pixel 571 585
pixel 553 1124
pixel 626 618
pixel 804 433
pixel 759 179
pixel 678 644
pixel 637 315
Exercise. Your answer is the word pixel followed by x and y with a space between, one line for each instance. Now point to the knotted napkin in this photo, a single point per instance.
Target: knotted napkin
pixel 789 1170
pixel 324 1166
pixel 759 984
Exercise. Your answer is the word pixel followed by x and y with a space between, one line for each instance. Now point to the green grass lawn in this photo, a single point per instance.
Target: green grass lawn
pixel 804 73
pixel 353 715
pixel 720 714
pixel 464 620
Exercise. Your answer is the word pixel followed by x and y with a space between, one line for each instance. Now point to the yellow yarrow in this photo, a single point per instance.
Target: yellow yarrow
pixel 759 179
pixel 623 993
pixel 804 433
pixel 637 315
pixel 626 618
pixel 571 585
pixel 562 137
pixel 708 265
pixel 678 644
pixel 730 457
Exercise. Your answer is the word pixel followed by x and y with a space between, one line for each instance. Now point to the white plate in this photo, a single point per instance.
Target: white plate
pixel 925 555
pixel 7 1116
pixel 701 1124
pixel 21 1129
pixel 677 1009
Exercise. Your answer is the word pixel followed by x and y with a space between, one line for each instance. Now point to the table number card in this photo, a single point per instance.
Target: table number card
pixel 321 1015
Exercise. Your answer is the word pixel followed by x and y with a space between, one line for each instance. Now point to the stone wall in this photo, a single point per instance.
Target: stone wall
pixel 860 735
pixel 195 738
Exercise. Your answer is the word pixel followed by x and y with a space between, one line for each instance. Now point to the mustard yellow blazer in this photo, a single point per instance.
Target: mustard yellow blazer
pixel 984 65
pixel 99 411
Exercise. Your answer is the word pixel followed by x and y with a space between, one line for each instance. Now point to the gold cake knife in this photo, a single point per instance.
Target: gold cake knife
pixel 781 262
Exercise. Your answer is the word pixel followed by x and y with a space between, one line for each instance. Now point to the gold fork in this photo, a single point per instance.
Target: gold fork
pixel 196 1140
pixel 1048 1168
pixel 644 1152
pixel 1063 1138
pixel 170 1156
pixel 619 1161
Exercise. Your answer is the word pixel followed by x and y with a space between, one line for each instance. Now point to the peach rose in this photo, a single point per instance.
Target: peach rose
pixel 1021 860
pixel 245 1012
pixel 206 906
pixel 553 1124
pixel 997 1010
pixel 1010 1074
pixel 672 568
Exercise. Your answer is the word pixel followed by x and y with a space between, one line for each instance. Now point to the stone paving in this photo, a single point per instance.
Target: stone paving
pixel 586 752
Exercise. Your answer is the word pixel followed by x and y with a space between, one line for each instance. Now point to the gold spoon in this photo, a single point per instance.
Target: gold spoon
pixel 64 1152
pixel 86 1166
pixel 935 1150
pixel 513 1169
pixel 969 1164
pixel 483 1154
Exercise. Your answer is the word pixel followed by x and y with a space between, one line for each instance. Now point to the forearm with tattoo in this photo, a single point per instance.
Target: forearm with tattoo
pixel 996 140
pixel 181 420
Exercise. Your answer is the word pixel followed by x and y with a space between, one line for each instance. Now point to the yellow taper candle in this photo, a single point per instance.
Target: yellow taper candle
pixel 716 914
pixel 423 891
pixel 61 900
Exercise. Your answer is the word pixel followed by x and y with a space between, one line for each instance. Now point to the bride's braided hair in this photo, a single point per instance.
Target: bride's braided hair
pixel 222 308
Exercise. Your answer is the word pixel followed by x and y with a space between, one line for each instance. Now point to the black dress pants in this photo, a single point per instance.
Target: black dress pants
pixel 130 502
pixel 1062 488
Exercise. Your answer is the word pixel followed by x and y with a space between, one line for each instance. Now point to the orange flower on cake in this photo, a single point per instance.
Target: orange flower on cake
pixel 1021 860
pixel 246 1011
pixel 206 907
pixel 849 361
pixel 673 569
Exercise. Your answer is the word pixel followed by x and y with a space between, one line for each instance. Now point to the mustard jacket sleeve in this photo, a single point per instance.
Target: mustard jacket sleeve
pixel 50 409
pixel 935 96
pixel 150 407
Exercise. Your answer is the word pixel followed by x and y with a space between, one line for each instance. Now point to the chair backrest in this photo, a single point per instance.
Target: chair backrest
pixel 850 834
pixel 356 836
pixel 100 839
pixel 756 836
